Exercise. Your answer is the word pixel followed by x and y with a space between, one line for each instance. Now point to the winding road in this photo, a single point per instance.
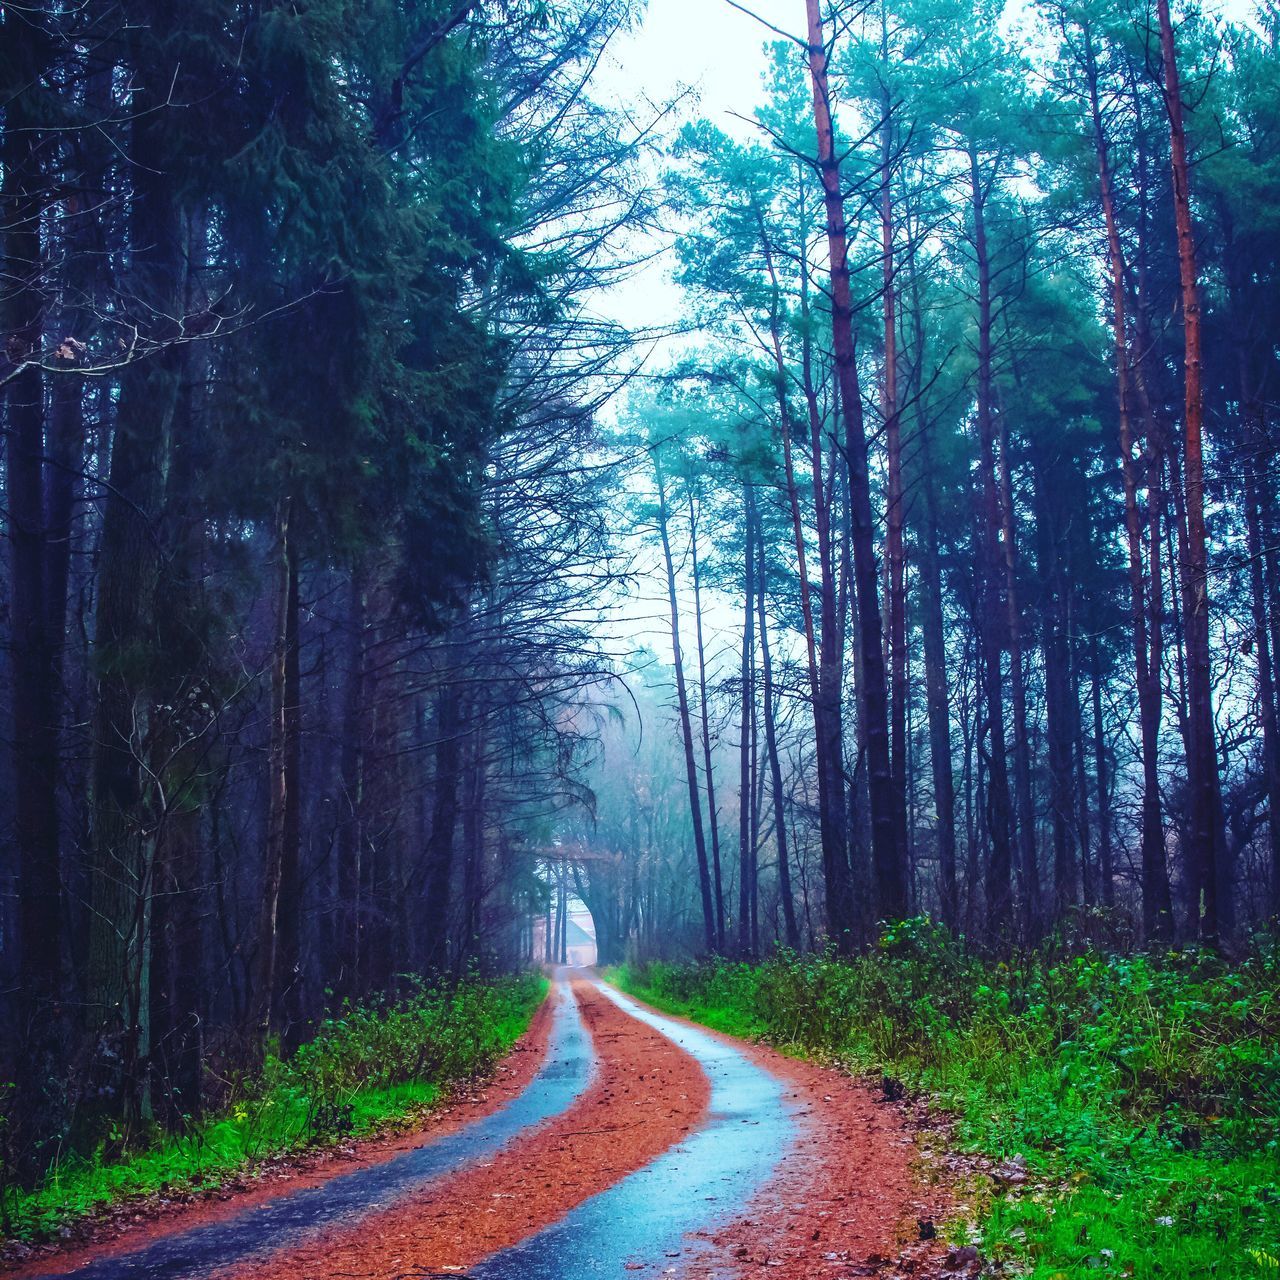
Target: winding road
pixel 638 1143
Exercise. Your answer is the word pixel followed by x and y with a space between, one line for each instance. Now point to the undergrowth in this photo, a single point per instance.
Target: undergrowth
pixel 1143 1091
pixel 372 1066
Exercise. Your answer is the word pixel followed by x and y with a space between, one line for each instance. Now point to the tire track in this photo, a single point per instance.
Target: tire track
pixel 657 1147
pixel 263 1228
pixel 646 1222
pixel 647 1095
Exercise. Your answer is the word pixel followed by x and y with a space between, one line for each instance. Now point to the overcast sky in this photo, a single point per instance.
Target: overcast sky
pixel 715 51
pixel 705 44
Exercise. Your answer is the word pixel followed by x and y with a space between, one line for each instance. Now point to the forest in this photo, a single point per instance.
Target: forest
pixel 383 588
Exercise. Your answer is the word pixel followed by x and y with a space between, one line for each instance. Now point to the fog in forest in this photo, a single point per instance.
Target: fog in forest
pixel 488 485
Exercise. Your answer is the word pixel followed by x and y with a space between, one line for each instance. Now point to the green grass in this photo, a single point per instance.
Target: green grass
pixel 1142 1091
pixel 373 1067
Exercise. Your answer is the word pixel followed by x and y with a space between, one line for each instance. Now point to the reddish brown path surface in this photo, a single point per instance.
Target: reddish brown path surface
pixel 647 1094
pixel 835 1195
pixel 132 1226
pixel 847 1195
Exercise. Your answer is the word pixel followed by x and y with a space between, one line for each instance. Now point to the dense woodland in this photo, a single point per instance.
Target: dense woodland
pixel 994 503
pixel 327 479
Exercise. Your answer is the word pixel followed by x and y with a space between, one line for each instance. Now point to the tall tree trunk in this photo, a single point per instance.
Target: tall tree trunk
pixel 790 926
pixel 350 838
pixel 562 942
pixel 1028 865
pixel 1256 445
pixel 1202 763
pixel 177 971
pixel 888 859
pixel 65 447
pixel 994 619
pixel 1146 354
pixel 686 727
pixel 757 811
pixel 557 927
pixel 713 821
pixel 977 834
pixel 264 993
pixel 289 975
pixel 1054 573
pixel 83 271
pixel 937 697
pixel 1106 869
pixel 1271 562
pixel 933 635
pixel 35 743
pixel 473 839
pixel 437 905
pixel 896 508
pixel 827 741
pixel 34 639
pixel 746 846
pixel 829 713
pixel 1157 906
pixel 120 859
pixel 1089 888
pixel 1177 556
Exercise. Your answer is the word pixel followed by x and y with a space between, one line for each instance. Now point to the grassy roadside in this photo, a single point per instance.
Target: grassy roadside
pixel 373 1067
pixel 1142 1092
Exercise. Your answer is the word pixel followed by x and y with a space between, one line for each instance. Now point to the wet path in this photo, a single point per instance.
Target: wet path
pixel 647 1217
pixel 265 1228
pixel 634 1147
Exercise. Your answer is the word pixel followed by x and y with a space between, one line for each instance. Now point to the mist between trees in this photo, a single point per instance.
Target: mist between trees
pixel 315 514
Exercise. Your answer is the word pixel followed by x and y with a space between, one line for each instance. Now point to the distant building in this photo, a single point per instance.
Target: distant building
pixel 580 933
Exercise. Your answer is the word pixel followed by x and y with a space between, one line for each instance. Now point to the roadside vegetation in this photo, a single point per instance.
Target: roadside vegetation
pixel 1141 1091
pixel 369 1068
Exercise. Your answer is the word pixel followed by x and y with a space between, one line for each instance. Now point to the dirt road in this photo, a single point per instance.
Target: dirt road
pixel 625 1142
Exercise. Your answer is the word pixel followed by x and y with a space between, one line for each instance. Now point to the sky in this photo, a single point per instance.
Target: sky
pixel 716 52
pixel 706 45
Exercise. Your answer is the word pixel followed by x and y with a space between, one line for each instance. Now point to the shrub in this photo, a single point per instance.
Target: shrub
pixel 1147 1086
